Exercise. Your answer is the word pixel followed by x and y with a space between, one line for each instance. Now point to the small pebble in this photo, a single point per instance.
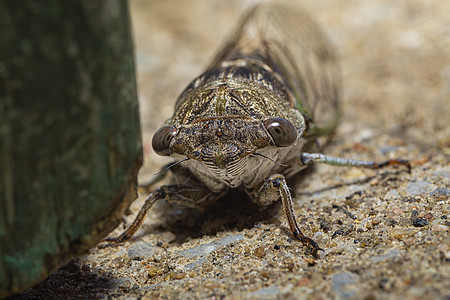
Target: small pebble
pixel 428 216
pixel 437 222
pixel 152 271
pixel 441 193
pixel 168 237
pixel 265 273
pixel 410 241
pixel 141 249
pixel 417 188
pixel 419 222
pixel 259 252
pixel 398 211
pixel 385 256
pixel 392 194
pixel 391 222
pixel 399 233
pixel 373 212
pixel 123 283
pixel 440 228
pixel 205 249
pixel 270 292
pixel 386 150
pixel 179 275
pixel 365 224
pixel 338 232
pixel 340 282
pixel 445 173
pixel 303 282
pixel 376 222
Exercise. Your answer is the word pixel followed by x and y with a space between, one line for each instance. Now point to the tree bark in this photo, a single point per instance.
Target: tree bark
pixel 70 145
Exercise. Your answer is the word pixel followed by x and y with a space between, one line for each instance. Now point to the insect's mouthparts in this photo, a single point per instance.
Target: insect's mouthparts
pixel 220 154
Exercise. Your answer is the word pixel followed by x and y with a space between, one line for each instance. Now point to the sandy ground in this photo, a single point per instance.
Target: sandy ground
pixel 385 233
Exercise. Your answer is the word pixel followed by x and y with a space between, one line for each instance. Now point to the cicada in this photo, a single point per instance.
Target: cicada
pixel 254 118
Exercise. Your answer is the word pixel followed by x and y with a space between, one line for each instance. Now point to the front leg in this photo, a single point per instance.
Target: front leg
pixel 182 195
pixel 273 188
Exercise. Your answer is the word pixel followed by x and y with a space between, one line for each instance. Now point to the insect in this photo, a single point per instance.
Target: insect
pixel 254 117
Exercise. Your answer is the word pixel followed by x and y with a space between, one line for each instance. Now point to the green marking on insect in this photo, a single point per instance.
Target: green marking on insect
pixel 220 104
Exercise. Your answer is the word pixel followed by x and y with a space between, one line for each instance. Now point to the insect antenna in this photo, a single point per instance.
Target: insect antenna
pixel 262 155
pixel 167 167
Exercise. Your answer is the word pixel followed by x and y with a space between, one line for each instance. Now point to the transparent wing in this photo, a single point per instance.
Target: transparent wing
pixel 287 40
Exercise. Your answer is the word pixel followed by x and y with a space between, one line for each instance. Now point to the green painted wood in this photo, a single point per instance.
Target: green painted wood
pixel 70 145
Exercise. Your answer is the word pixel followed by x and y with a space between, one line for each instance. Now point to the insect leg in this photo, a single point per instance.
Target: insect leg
pixel 183 195
pixel 309 158
pixel 273 188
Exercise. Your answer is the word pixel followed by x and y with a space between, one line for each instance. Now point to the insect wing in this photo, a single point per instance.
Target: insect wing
pixel 289 42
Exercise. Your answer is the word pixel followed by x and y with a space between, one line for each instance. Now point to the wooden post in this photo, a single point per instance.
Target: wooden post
pixel 70 145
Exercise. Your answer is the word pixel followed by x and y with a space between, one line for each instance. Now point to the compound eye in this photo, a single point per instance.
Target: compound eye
pixel 161 140
pixel 282 131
